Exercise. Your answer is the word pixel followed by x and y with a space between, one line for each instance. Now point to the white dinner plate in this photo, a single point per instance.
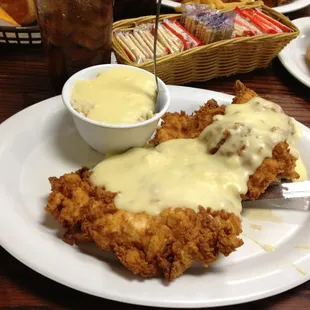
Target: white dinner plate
pixel 41 141
pixel 284 8
pixel 293 56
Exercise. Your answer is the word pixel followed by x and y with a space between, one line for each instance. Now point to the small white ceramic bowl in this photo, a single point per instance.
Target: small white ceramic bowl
pixel 105 138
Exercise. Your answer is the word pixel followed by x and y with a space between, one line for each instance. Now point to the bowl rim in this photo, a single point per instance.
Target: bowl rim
pixel 66 92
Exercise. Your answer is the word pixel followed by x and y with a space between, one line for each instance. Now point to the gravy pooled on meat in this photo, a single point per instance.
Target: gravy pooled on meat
pixel 210 171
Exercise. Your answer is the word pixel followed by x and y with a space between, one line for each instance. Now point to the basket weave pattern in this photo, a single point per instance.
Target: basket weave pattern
pixel 222 58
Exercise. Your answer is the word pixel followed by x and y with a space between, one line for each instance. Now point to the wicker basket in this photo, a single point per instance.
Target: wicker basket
pixel 20 35
pixel 223 58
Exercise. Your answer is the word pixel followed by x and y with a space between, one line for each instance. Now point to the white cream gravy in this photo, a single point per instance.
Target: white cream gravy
pixel 183 173
pixel 118 95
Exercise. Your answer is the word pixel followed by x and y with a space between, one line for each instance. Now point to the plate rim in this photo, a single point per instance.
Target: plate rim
pixel 167 304
pixel 283 57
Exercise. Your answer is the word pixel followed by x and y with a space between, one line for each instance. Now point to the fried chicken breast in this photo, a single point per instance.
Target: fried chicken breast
pixel 179 125
pixel 169 243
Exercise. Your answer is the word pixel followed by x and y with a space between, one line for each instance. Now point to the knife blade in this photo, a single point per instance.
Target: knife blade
pixel 292 196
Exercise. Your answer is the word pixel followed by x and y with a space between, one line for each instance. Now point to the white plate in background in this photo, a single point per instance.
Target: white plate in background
pixel 293 56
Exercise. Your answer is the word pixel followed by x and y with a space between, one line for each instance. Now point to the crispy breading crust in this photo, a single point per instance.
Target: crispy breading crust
pixel 151 246
pixel 182 126
pixel 178 125
pixel 66 201
pixel 167 244
pixel 243 94
pixel 280 166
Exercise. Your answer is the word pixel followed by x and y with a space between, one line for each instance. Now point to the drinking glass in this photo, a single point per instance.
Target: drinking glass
pixel 76 34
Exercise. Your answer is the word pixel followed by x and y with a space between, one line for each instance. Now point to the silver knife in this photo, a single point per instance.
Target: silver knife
pixel 293 196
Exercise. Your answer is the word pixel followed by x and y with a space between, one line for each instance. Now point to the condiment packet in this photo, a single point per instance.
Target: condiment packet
pixel 243 28
pixel 138 43
pixel 209 25
pixel 266 24
pixel 187 39
pixel 272 20
pixel 168 39
pixel 143 33
pixel 132 51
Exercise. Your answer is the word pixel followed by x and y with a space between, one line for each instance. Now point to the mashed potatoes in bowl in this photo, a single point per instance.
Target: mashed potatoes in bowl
pixel 113 106
pixel 119 95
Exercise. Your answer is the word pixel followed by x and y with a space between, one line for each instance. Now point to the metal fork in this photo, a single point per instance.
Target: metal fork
pixel 155 53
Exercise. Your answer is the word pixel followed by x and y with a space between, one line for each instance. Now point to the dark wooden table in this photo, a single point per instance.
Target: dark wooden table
pixel 24 81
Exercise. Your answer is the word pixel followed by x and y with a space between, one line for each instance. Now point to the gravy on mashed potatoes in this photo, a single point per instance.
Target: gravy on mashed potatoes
pixel 119 95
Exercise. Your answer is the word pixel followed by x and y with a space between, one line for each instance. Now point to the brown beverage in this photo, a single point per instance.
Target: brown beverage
pixel 76 34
